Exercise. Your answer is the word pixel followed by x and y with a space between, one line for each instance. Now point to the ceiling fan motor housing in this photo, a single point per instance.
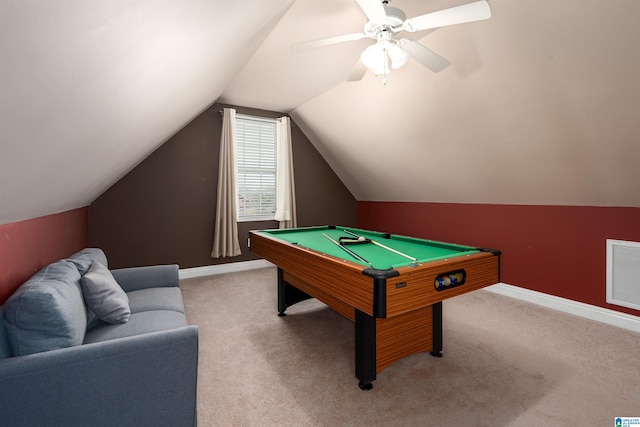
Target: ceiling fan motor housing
pixel 393 23
pixel 395 16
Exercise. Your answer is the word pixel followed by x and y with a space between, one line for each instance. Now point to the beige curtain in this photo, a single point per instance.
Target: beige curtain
pixel 285 188
pixel 225 236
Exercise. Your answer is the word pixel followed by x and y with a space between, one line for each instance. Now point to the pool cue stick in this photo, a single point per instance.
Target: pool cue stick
pixel 349 251
pixel 384 247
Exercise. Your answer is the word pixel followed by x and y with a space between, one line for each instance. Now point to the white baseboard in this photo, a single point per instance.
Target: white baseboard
pixel 231 267
pixel 599 314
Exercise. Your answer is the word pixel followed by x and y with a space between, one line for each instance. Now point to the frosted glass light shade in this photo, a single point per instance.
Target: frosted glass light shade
pixel 377 57
pixel 397 55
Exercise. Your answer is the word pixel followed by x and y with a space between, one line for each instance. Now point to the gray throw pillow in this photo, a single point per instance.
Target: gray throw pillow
pixel 104 296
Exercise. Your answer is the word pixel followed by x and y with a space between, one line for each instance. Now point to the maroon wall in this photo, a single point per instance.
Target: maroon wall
pixel 27 246
pixel 557 250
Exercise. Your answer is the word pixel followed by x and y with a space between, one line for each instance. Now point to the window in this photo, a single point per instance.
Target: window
pixel 256 157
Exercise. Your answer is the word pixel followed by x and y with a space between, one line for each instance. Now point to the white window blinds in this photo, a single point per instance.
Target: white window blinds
pixel 256 157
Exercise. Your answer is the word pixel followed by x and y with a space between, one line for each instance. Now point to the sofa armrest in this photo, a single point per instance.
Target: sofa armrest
pixel 149 379
pixel 154 276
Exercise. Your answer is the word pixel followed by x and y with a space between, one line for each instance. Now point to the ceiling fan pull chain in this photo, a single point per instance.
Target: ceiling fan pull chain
pixel 385 61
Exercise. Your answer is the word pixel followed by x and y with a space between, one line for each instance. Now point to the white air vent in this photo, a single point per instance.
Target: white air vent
pixel 623 273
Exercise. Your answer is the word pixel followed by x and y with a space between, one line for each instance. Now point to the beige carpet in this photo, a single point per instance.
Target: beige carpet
pixel 506 363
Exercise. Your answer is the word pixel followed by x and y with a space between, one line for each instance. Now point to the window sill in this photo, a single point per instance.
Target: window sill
pixel 256 219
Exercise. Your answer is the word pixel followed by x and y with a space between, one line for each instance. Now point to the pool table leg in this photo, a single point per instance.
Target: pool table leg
pixel 437 330
pixel 288 294
pixel 365 349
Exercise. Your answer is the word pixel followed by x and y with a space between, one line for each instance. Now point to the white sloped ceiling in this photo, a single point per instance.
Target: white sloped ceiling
pixel 90 88
pixel 540 105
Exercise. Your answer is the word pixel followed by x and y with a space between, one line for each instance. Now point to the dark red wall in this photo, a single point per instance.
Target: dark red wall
pixel 558 250
pixel 27 246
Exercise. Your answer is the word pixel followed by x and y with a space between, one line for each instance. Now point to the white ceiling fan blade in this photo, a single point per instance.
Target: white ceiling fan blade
pixel 476 11
pixel 424 55
pixel 358 72
pixel 299 47
pixel 374 11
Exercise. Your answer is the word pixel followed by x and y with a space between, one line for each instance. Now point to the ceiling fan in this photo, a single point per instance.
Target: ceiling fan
pixel 385 23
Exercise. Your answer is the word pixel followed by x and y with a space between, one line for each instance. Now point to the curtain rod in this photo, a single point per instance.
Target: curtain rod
pixel 249 116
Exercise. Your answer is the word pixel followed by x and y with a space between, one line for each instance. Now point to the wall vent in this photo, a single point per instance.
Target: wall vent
pixel 623 273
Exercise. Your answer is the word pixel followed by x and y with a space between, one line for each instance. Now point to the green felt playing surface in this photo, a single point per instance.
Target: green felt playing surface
pixel 380 258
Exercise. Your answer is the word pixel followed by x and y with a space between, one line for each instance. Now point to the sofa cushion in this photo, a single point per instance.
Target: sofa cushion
pixel 156 299
pixel 104 296
pixel 139 323
pixel 86 257
pixel 46 312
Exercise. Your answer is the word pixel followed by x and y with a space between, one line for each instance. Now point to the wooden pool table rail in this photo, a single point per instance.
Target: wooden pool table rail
pixel 410 288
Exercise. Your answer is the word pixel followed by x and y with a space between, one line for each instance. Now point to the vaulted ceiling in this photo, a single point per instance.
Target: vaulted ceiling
pixel 540 105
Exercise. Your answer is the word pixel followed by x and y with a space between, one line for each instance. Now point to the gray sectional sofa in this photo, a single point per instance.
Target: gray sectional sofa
pixel 81 345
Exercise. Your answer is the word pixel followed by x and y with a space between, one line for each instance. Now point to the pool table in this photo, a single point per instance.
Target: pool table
pixel 391 286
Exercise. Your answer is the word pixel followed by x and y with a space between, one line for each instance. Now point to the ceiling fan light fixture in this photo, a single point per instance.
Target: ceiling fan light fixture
pixel 375 58
pixel 398 56
pixel 378 56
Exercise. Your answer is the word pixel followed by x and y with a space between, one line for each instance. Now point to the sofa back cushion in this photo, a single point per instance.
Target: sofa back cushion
pixel 47 312
pixel 5 348
pixel 86 257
